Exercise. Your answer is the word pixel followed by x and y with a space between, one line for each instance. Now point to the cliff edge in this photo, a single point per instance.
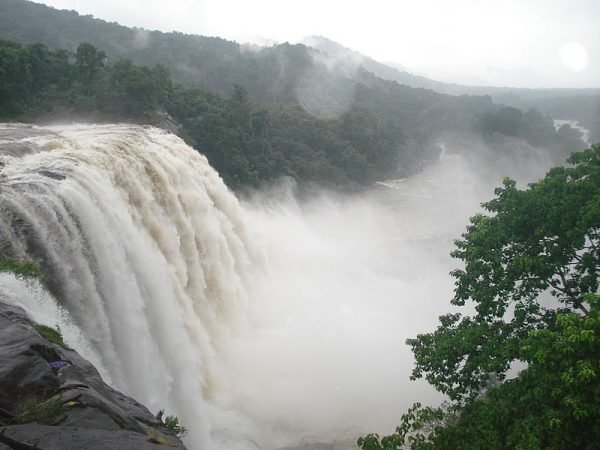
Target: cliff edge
pixel 53 399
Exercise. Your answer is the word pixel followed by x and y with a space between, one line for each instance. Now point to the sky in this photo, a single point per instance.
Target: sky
pixel 522 43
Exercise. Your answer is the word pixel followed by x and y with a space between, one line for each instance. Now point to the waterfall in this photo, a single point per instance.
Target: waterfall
pixel 144 246
pixel 266 322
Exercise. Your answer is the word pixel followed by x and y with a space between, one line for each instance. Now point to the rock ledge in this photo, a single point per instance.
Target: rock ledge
pixel 51 398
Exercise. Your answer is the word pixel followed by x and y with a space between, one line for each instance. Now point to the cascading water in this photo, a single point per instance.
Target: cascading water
pixel 143 245
pixel 261 325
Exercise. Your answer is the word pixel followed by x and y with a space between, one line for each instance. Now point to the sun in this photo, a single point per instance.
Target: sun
pixel 574 56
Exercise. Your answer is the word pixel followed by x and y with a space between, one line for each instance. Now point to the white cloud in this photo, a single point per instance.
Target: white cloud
pixel 574 56
pixel 508 42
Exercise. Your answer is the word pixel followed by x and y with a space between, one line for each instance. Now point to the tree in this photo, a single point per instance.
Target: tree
pixel 543 239
pixel 13 79
pixel 507 121
pixel 553 404
pixel 135 91
pixel 89 61
pixel 531 269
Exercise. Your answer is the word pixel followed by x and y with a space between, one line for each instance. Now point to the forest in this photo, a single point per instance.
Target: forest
pixel 387 130
pixel 257 113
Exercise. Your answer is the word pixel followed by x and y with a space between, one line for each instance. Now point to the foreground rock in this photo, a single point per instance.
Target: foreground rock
pixel 52 398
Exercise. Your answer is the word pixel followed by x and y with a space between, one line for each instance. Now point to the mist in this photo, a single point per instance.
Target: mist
pixel 269 321
pixel 510 43
pixel 348 279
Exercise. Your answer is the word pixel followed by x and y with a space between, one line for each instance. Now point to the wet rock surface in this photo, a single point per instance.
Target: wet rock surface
pixel 52 398
pixel 162 119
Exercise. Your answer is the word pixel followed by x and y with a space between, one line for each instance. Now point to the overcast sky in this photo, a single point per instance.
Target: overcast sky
pixel 530 43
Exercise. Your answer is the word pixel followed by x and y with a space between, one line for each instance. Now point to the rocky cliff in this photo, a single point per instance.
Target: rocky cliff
pixel 53 399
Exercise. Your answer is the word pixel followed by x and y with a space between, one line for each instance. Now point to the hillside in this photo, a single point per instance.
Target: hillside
pixel 257 113
pixel 582 105
pixel 268 73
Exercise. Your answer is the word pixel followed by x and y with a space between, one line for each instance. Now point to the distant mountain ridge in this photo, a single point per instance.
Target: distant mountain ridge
pixel 385 71
pixel 282 74
pixel 343 118
pixel 389 72
pixel 581 104
pixel 210 59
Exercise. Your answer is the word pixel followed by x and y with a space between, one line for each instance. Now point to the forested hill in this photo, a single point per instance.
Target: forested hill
pixel 256 113
pixel 214 63
pixel 582 105
pixel 190 58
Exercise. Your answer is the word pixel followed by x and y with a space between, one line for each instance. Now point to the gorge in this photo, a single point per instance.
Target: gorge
pixel 261 322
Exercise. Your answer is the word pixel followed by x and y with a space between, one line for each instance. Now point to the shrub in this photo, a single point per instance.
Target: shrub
pixel 23 269
pixel 53 335
pixel 172 423
pixel 45 412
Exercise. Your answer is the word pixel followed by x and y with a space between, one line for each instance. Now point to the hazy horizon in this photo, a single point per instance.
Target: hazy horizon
pixel 538 44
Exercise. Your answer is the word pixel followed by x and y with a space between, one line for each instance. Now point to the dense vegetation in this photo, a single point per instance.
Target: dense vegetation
pixel 384 129
pixel 35 80
pixel 53 335
pixel 23 269
pixel 247 143
pixel 317 116
pixel 531 279
pixel 582 105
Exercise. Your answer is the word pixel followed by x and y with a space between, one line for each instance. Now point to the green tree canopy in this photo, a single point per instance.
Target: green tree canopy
pixel 89 61
pixel 530 278
pixel 543 239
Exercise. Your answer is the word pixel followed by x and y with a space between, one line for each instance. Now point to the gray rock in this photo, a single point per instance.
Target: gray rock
pixel 53 175
pixel 162 119
pixel 88 404
pixel 24 372
pixel 47 437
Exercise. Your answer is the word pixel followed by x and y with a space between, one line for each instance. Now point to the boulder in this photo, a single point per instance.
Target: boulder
pixel 51 398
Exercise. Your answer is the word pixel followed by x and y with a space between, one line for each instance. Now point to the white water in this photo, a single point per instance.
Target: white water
pixel 43 308
pixel 149 251
pixel 259 325
pixel 585 133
